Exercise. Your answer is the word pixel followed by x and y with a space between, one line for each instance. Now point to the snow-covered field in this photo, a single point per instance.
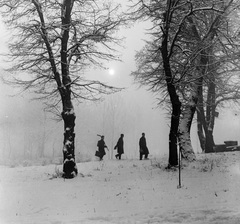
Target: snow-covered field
pixel 127 191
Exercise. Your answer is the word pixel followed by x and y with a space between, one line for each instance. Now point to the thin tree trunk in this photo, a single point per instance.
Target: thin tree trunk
pixel 201 120
pixel 201 136
pixel 210 118
pixel 41 144
pixel 211 102
pixel 206 123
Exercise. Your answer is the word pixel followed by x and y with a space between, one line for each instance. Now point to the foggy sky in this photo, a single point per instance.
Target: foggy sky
pixel 24 125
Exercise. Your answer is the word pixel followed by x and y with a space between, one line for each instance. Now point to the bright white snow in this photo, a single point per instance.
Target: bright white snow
pixel 127 191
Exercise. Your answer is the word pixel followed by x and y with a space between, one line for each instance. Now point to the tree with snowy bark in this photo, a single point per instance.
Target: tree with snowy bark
pixel 220 68
pixel 213 57
pixel 175 62
pixel 52 43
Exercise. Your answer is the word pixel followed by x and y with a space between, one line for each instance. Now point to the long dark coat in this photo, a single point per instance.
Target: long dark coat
pixel 119 146
pixel 101 147
pixel 143 146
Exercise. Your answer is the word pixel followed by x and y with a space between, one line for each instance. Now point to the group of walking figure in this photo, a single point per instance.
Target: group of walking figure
pixel 143 149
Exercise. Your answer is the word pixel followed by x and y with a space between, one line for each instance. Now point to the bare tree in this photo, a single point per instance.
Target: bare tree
pixel 178 59
pixel 154 62
pixel 220 65
pixel 158 64
pixel 54 41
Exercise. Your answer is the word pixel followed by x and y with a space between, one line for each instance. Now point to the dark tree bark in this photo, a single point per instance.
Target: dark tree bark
pixel 206 62
pixel 201 120
pixel 200 132
pixel 210 117
pixel 68 115
pixel 174 98
pixel 176 107
pixel 189 30
pixel 173 135
pixel 206 123
pixel 69 165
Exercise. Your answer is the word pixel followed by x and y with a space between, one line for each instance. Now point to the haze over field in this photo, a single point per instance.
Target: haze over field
pixel 25 127
pixel 32 187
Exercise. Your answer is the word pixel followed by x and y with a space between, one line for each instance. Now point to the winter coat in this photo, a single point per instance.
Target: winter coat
pixel 119 146
pixel 143 146
pixel 101 147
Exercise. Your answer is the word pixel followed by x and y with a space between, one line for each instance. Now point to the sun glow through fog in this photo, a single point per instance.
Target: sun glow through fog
pixel 111 71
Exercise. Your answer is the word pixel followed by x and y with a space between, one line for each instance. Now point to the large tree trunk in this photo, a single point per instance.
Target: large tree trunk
pixel 186 120
pixel 68 115
pixel 174 98
pixel 173 135
pixel 176 108
pixel 185 128
pixel 209 145
pixel 176 111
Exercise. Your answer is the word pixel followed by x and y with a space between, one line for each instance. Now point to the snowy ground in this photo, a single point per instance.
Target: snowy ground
pixel 127 191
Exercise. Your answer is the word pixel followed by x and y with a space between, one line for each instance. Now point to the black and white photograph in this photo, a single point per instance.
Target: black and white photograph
pixel 120 112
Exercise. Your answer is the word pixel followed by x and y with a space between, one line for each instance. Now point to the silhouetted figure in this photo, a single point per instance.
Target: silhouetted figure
pixel 101 148
pixel 143 147
pixel 119 147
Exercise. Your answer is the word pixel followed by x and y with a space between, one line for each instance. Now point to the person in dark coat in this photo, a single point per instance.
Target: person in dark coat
pixel 119 147
pixel 101 147
pixel 143 149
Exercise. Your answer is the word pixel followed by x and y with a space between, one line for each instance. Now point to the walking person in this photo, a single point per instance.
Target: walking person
pixel 101 148
pixel 143 149
pixel 119 147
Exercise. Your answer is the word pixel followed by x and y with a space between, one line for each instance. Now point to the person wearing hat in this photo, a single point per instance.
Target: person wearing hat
pixel 119 147
pixel 101 148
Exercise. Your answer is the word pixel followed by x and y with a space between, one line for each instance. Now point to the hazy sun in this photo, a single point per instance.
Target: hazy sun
pixel 111 71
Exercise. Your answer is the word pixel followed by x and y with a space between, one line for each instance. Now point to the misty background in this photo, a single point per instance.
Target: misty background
pixel 28 132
